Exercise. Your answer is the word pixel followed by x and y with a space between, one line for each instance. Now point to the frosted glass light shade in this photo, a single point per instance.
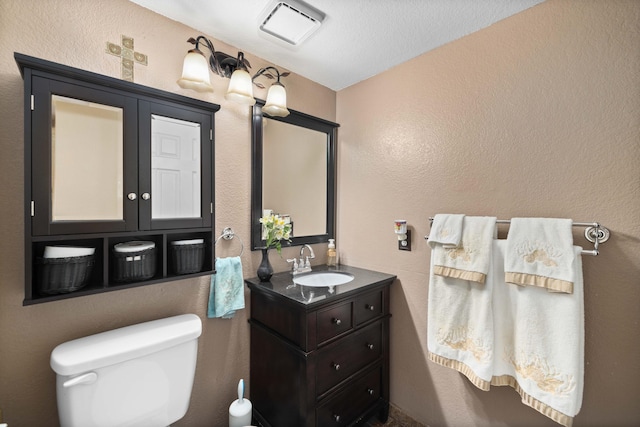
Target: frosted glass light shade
pixel 276 103
pixel 195 72
pixel 240 88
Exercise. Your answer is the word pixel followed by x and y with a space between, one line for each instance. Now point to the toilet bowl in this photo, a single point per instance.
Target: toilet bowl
pixel 137 376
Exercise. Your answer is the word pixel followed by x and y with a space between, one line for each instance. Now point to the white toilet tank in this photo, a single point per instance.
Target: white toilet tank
pixel 139 375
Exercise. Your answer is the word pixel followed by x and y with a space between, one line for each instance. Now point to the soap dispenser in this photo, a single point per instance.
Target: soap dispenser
pixel 332 255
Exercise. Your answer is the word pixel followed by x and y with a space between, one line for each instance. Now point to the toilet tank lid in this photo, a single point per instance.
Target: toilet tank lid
pixel 119 345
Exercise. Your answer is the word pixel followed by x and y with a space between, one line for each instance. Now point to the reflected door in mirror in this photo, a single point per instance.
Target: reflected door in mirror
pixel 175 168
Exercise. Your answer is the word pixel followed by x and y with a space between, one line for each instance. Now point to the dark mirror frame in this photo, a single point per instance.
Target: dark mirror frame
pixel 306 121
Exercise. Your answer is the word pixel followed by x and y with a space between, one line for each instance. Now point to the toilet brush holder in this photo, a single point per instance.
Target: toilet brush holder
pixel 240 409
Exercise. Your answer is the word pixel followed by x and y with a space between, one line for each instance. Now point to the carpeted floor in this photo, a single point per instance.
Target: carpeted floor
pixel 396 419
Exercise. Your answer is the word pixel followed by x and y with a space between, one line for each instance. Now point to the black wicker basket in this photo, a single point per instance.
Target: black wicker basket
pixel 187 259
pixel 63 275
pixel 134 266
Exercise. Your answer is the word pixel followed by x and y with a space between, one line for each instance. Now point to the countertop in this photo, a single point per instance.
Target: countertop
pixel 282 284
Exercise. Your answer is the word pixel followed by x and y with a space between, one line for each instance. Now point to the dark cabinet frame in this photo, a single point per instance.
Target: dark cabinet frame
pixel 44 78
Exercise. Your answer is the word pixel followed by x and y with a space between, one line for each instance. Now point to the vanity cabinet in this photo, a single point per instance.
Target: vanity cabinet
pixel 320 356
pixel 107 162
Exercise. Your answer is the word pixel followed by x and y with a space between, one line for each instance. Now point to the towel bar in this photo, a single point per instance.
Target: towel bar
pixel 594 233
pixel 228 234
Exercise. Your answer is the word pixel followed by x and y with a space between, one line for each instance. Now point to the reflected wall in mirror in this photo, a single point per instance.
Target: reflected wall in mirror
pixel 294 174
pixel 175 168
pixel 86 160
pixel 290 152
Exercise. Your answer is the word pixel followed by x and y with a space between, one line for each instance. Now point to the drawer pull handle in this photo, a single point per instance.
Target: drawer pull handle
pixel 336 366
pixel 336 418
pixel 369 307
pixel 370 346
pixel 336 321
pixel 370 391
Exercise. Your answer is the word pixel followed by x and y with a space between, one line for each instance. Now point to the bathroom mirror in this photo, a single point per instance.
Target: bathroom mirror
pixel 294 174
pixel 175 168
pixel 86 160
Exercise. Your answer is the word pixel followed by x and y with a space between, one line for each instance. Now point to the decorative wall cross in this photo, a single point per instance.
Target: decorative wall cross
pixel 128 55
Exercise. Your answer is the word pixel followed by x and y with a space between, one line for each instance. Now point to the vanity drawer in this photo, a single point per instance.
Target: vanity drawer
pixel 368 306
pixel 334 321
pixel 343 408
pixel 347 356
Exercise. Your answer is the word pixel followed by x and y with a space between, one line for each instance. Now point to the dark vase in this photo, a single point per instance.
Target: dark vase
pixel 265 271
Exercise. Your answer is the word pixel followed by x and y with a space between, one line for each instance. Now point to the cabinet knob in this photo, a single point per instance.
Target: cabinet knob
pixel 336 366
pixel 132 196
pixel 145 196
pixel 370 391
pixel 336 418
pixel 370 346
pixel 369 307
pixel 336 321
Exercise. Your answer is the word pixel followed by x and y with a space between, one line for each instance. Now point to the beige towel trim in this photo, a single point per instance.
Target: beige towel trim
pixel 555 285
pixel 503 380
pixel 455 273
pixel 462 368
pixel 532 402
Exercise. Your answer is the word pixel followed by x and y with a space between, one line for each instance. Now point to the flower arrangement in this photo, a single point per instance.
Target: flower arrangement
pixel 274 230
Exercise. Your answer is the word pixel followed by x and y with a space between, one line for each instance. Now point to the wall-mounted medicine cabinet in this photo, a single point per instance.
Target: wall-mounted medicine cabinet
pixel 118 183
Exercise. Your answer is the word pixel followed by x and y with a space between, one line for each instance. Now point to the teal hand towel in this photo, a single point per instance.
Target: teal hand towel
pixel 226 293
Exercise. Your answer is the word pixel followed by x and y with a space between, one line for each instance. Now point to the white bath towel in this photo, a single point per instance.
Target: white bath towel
pixel 539 342
pixel 446 230
pixel 540 253
pixel 469 260
pixel 460 326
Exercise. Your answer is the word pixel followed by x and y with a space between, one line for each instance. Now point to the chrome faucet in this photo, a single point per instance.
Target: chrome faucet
pixel 303 265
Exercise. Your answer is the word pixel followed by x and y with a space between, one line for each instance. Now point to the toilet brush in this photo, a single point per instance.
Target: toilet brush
pixel 240 409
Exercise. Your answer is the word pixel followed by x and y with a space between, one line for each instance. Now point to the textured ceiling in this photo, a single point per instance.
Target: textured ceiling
pixel 358 38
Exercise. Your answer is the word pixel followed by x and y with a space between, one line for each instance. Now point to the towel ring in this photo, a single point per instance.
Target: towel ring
pixel 228 234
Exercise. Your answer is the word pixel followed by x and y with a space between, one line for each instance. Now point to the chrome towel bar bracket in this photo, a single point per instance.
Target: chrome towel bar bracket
pixel 594 233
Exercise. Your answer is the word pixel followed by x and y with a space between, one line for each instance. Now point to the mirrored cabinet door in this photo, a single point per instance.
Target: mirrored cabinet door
pixel 84 160
pixel 175 179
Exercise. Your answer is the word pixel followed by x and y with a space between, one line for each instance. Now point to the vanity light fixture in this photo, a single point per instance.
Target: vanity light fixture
pixel 276 103
pixel 195 69
pixel 195 76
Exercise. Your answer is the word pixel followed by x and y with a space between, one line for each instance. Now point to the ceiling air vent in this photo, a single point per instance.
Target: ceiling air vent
pixel 290 21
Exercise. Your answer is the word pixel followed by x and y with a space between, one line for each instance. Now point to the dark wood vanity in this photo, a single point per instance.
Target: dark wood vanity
pixel 320 356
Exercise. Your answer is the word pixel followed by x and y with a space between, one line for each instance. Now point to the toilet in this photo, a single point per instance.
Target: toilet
pixel 139 375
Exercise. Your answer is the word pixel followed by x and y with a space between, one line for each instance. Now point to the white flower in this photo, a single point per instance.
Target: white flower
pixel 274 230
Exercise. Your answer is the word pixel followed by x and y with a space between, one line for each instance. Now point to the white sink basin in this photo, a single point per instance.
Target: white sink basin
pixel 323 278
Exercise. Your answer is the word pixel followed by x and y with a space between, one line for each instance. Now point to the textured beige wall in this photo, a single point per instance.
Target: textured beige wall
pixel 75 33
pixel 537 115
